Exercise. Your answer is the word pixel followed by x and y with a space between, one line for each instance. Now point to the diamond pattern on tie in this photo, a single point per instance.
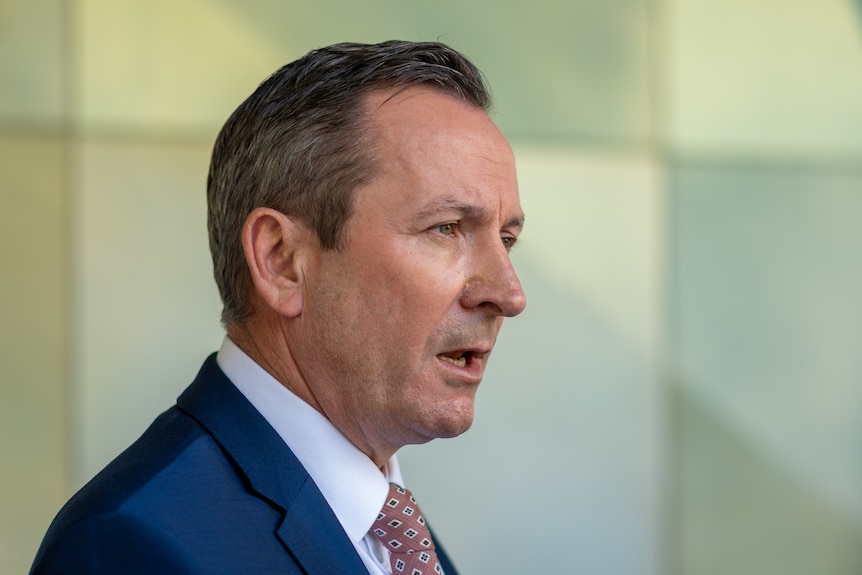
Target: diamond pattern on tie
pixel 401 528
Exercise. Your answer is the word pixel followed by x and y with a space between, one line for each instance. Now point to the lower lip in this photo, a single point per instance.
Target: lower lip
pixel 471 372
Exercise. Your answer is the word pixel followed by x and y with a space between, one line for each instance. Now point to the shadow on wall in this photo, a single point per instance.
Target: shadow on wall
pixel 742 511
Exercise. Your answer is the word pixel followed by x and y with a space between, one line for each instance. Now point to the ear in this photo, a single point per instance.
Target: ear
pixel 277 249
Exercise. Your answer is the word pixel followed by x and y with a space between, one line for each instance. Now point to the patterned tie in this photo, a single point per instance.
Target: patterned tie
pixel 401 528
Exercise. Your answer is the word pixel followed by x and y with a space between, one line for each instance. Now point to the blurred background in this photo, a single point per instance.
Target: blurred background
pixel 683 395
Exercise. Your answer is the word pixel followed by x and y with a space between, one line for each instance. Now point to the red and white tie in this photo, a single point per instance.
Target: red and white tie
pixel 401 528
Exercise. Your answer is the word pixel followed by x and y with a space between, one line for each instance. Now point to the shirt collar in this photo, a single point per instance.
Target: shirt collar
pixel 350 482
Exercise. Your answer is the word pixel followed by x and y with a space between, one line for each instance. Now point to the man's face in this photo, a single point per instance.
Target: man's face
pixel 400 324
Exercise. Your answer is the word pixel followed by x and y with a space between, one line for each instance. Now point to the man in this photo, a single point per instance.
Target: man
pixel 362 206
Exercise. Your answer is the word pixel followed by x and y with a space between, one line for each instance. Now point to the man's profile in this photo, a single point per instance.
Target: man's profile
pixel 361 209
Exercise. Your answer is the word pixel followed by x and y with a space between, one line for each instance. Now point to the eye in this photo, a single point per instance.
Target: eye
pixel 508 242
pixel 447 229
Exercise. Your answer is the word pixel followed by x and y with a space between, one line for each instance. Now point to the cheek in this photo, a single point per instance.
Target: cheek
pixel 408 291
pixel 405 284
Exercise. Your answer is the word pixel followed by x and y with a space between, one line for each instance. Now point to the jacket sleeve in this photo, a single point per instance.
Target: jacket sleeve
pixel 111 544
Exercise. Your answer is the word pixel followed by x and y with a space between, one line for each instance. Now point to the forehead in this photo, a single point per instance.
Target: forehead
pixel 430 145
pixel 411 116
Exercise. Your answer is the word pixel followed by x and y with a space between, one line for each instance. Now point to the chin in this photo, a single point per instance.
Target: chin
pixel 457 419
pixel 455 430
pixel 441 420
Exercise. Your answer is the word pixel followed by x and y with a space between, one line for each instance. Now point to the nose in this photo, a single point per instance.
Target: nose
pixel 493 284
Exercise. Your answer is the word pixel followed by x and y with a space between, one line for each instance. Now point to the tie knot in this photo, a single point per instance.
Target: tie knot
pixel 402 529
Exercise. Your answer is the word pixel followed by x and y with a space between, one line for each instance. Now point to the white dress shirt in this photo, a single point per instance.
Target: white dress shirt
pixel 350 482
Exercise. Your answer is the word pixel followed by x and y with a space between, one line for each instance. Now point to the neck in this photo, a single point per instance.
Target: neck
pixel 267 343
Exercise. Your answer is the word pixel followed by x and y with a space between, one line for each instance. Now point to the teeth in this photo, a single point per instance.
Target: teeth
pixel 460 362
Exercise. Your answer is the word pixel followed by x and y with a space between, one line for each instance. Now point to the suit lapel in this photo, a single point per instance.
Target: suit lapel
pixel 309 530
pixel 312 544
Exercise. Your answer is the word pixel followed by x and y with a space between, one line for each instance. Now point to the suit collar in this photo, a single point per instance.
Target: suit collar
pixel 310 530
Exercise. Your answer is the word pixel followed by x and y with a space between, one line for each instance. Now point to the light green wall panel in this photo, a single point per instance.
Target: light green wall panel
pixel 147 310
pixel 33 311
pixel 567 440
pixel 768 78
pixel 572 71
pixel 768 334
pixel 32 36
pixel 569 70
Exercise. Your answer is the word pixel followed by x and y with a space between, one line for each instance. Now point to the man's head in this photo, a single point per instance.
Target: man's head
pixel 378 280
pixel 300 144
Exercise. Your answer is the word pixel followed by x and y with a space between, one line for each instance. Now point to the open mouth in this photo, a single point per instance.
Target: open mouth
pixel 458 358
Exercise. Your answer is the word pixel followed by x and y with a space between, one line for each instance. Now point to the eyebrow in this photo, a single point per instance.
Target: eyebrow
pixel 515 222
pixel 452 204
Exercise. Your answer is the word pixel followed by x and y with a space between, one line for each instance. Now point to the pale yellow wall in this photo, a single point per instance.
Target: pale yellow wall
pixel 766 79
pixel 35 425
pixel 146 305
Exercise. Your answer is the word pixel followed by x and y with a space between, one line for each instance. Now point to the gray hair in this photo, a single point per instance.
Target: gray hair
pixel 300 145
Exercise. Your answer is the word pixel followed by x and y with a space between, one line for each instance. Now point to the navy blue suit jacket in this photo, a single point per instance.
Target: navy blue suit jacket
pixel 209 488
